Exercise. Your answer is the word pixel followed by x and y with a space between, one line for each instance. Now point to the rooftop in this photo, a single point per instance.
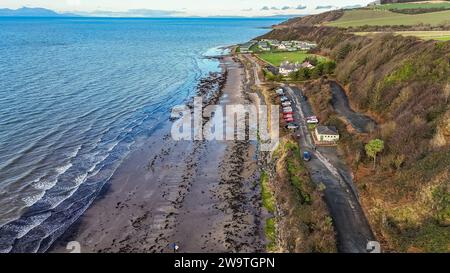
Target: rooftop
pixel 289 66
pixel 327 130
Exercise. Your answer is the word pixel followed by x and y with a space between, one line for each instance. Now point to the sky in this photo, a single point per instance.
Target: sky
pixel 191 7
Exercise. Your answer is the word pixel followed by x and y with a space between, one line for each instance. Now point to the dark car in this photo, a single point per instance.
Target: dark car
pixel 292 126
pixel 306 156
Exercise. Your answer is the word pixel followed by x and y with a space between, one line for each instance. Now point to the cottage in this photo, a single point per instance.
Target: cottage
pixel 304 45
pixel 245 48
pixel 274 43
pixel 326 133
pixel 286 68
pixel 308 65
pixel 282 47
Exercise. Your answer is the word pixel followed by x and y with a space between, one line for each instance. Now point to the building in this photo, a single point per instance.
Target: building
pixel 245 48
pixel 327 134
pixel 281 47
pixel 291 48
pixel 264 46
pixel 286 68
pixel 308 65
pixel 301 45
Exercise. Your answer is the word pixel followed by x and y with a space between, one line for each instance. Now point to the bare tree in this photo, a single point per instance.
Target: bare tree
pixel 447 92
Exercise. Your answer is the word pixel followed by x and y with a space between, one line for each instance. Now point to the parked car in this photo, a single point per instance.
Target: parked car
pixel 288 116
pixel 283 99
pixel 306 156
pixel 312 120
pixel 280 92
pixel 286 103
pixel 287 109
pixel 292 126
pixel 288 113
pixel 289 119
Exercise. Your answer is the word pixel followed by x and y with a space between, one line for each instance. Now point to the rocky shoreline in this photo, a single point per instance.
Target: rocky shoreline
pixel 202 195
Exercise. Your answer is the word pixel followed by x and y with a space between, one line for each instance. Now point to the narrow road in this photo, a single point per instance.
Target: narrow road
pixel 353 230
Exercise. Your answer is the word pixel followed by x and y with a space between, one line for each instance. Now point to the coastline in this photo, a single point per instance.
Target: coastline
pixel 204 196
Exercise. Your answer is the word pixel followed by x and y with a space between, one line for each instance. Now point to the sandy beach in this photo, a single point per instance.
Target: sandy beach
pixel 202 195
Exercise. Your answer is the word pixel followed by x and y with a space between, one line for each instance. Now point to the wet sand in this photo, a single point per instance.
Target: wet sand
pixel 202 195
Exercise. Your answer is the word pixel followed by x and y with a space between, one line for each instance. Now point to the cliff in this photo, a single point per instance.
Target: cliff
pixel 403 84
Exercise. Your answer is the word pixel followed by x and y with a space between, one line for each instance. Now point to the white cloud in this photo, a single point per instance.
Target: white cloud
pixel 190 7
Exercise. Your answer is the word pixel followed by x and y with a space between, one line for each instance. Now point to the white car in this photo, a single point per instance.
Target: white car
pixel 280 92
pixel 286 103
pixel 287 110
pixel 292 126
pixel 312 121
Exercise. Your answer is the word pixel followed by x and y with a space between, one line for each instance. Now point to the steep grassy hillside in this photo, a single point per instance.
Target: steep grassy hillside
pixel 313 19
pixel 304 224
pixel 403 83
pixel 425 35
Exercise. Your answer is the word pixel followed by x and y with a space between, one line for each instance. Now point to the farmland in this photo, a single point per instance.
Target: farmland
pixel 414 5
pixel 372 17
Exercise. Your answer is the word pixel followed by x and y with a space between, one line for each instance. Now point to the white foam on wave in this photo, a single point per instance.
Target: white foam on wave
pixel 80 179
pixel 34 221
pixel 33 199
pixel 62 169
pixel 5 250
pixel 75 152
pixel 46 185
pixel 43 186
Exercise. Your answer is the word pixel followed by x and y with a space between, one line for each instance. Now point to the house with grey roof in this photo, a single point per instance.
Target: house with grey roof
pixel 326 134
pixel 286 68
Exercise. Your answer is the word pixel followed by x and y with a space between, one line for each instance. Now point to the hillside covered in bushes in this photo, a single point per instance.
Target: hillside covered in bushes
pixel 403 84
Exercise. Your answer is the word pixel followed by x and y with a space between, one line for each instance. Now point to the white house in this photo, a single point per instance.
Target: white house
pixel 245 48
pixel 327 134
pixel 282 47
pixel 286 68
pixel 308 65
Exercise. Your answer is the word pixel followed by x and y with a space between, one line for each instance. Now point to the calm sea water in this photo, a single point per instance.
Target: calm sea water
pixel 74 96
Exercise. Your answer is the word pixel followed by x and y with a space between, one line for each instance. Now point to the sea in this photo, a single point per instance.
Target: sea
pixel 76 93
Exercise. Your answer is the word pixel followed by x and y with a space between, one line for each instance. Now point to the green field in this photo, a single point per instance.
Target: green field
pixel 420 5
pixel 371 17
pixel 425 35
pixel 276 58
